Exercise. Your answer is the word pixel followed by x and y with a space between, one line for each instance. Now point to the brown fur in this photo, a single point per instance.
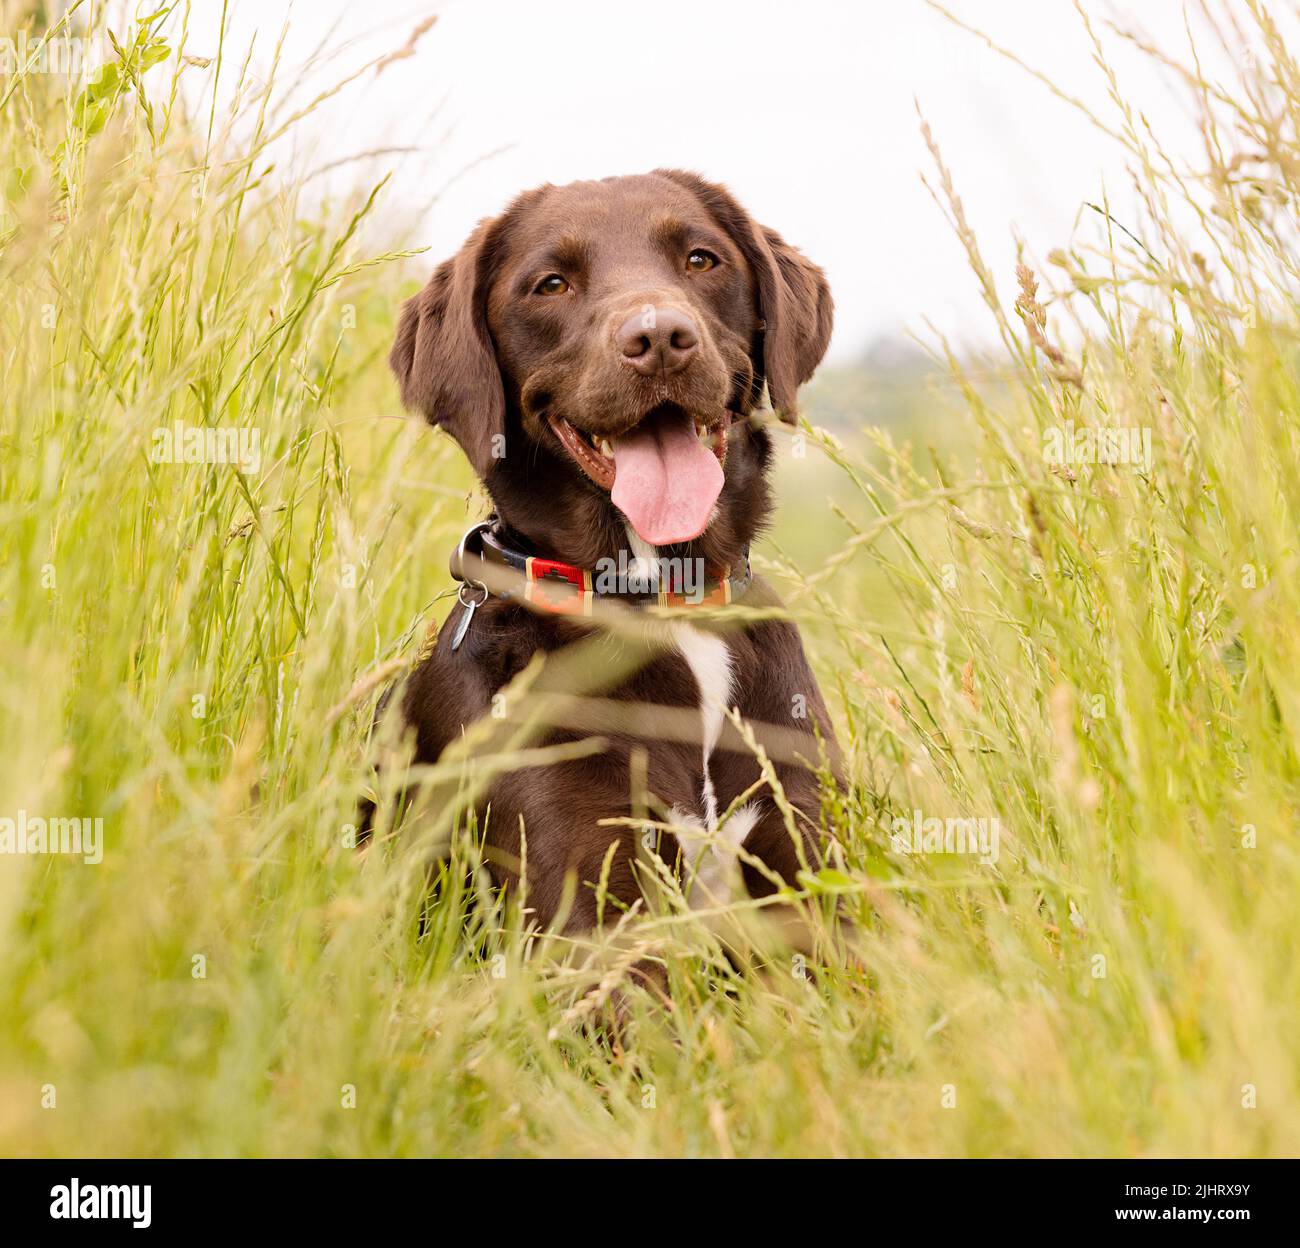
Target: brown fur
pixel 481 355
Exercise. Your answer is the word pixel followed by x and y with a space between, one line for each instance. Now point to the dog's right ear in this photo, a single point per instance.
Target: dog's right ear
pixel 444 358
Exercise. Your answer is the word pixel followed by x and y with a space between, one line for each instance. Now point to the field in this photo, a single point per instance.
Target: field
pixel 1100 660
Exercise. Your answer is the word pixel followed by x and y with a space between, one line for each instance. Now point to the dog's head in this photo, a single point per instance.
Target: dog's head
pixel 596 343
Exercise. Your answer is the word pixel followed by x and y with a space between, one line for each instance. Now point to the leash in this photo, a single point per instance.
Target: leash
pixel 557 588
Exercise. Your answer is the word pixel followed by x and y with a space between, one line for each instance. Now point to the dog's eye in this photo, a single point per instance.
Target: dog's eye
pixel 700 261
pixel 552 285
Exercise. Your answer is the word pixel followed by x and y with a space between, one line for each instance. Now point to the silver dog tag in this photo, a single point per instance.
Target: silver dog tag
pixel 463 627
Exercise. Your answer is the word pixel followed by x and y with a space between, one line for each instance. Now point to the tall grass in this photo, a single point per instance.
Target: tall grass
pixel 1103 657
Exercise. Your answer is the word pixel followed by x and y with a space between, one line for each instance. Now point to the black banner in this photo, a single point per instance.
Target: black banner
pixel 338 1196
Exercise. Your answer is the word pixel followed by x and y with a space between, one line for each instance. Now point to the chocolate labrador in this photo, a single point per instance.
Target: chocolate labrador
pixel 600 352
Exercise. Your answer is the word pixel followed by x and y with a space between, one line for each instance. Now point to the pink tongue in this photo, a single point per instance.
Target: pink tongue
pixel 665 480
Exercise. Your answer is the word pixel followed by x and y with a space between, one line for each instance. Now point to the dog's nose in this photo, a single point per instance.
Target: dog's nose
pixel 657 340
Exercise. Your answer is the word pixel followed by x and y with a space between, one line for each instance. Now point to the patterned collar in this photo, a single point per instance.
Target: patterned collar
pixel 565 589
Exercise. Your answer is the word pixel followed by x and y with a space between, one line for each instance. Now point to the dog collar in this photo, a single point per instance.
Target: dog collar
pixel 561 588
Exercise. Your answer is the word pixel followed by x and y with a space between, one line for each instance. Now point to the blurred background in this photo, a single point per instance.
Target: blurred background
pixel 813 116
pixel 811 113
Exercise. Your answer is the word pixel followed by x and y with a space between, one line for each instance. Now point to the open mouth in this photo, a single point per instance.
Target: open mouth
pixel 664 474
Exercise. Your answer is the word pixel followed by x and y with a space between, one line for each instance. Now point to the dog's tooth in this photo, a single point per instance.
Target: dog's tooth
pixel 605 449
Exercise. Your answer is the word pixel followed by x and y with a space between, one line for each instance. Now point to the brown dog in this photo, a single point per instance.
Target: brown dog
pixel 597 351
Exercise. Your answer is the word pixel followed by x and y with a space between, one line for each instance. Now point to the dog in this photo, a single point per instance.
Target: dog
pixel 600 352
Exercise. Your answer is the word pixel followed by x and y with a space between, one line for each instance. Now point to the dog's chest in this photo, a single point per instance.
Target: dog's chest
pixel 710 664
pixel 709 661
pixel 709 849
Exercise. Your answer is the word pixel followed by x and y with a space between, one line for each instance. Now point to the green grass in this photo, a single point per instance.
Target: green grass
pixel 1106 659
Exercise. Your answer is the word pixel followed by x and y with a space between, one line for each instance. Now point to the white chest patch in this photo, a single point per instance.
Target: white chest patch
pixel 710 850
pixel 710 662
pixel 711 853
pixel 645 558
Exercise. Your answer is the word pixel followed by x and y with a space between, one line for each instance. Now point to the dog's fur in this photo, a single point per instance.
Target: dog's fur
pixel 481 353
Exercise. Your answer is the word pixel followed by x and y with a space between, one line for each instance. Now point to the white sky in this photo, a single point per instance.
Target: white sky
pixel 807 110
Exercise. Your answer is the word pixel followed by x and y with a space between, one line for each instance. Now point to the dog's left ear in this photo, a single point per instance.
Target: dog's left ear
pixel 443 356
pixel 794 297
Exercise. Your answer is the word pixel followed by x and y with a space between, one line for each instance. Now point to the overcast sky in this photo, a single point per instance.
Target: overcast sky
pixel 806 108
